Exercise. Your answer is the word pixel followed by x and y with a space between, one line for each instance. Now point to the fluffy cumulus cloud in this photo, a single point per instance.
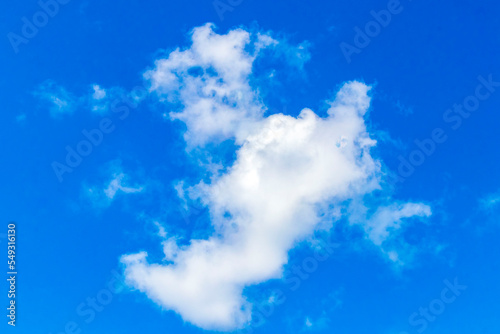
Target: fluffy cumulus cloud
pixel 209 82
pixel 288 172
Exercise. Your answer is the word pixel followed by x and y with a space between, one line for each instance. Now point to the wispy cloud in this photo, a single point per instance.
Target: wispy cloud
pixel 490 201
pixel 59 101
pixel 117 184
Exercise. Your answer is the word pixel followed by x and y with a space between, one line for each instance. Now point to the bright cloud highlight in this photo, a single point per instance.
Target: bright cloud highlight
pixel 288 174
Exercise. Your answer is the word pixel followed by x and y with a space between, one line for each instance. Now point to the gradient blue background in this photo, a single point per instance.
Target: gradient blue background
pixel 424 61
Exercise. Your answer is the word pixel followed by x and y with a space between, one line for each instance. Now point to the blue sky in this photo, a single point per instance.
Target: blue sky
pixel 287 167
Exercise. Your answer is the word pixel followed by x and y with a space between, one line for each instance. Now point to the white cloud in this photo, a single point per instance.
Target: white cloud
pixel 210 80
pixel 104 195
pixel 59 100
pixel 100 100
pixel 389 218
pixel 99 93
pixel 382 222
pixel 117 184
pixel 161 230
pixel 287 171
